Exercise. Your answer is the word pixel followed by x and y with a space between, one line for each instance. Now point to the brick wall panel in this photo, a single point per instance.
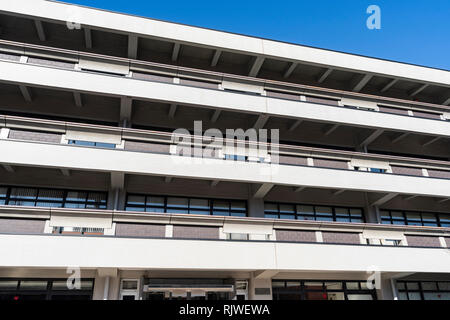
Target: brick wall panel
pixel 341 237
pixel 140 230
pixel 296 235
pixel 21 226
pixel 194 232
pixel 34 136
pixel 421 241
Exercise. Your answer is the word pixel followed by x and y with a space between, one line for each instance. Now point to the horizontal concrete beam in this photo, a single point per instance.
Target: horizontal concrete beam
pixel 104 252
pixel 32 75
pixel 17 153
pixel 172 32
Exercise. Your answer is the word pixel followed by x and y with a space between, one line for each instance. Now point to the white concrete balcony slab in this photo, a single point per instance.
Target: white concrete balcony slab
pixel 117 86
pixel 95 252
pixel 128 162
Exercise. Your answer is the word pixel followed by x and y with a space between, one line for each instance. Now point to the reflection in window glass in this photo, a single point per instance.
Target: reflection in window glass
pixel 184 205
pixel 33 285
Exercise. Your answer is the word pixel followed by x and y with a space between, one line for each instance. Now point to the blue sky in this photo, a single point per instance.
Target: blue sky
pixel 412 31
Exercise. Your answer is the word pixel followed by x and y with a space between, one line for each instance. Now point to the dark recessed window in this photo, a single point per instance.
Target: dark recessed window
pixel 186 205
pixel 312 212
pixel 45 289
pixel 415 218
pixel 321 290
pixel 423 290
pixel 56 198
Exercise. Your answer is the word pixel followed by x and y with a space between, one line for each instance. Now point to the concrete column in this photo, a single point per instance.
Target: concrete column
pixel 371 213
pixel 121 199
pixel 106 285
pixel 256 207
pixel 386 290
pixel 111 199
pixel 260 289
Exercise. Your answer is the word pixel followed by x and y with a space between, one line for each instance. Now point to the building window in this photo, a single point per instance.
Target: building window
pixel 321 290
pixel 44 289
pixel 169 204
pixel 423 290
pixel 92 144
pixel 312 212
pixel 57 198
pixel 413 218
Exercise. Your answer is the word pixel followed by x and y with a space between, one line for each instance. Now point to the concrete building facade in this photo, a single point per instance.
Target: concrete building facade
pixel 347 198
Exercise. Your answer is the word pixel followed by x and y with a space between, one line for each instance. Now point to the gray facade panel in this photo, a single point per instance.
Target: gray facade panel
pixel 20 226
pixel 147 147
pixel 296 235
pixel 421 241
pixel 140 230
pixel 34 136
pixel 194 232
pixel 341 237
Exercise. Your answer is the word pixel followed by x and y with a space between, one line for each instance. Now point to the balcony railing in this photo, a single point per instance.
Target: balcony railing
pixel 156 72
pixel 137 140
pixel 39 220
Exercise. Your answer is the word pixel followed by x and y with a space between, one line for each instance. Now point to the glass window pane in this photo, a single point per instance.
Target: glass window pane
pixel 155 201
pixel 3 192
pixel 49 204
pixel 414 296
pixel 356 213
pixel 278 284
pixel 324 211
pixel 96 197
pixel 341 212
pixel 444 220
pixel 359 297
pixel 221 204
pixel 436 296
pixel 76 196
pixel 444 286
pixel 221 213
pixel 385 214
pixel 270 207
pixel 238 206
pixel 287 208
pixel 8 285
pixel 429 286
pixel 177 202
pixel 287 216
pixel 397 214
pixel 412 285
pixel 24 193
pixel 293 284
pixel 199 204
pixel 33 285
pixel 401 286
pixel 402 296
pixel 53 195
pixel 305 209
pixel 238 214
pixel 131 208
pixel 333 285
pixel 271 216
pixel 352 285
pixel 129 284
pixel 135 200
